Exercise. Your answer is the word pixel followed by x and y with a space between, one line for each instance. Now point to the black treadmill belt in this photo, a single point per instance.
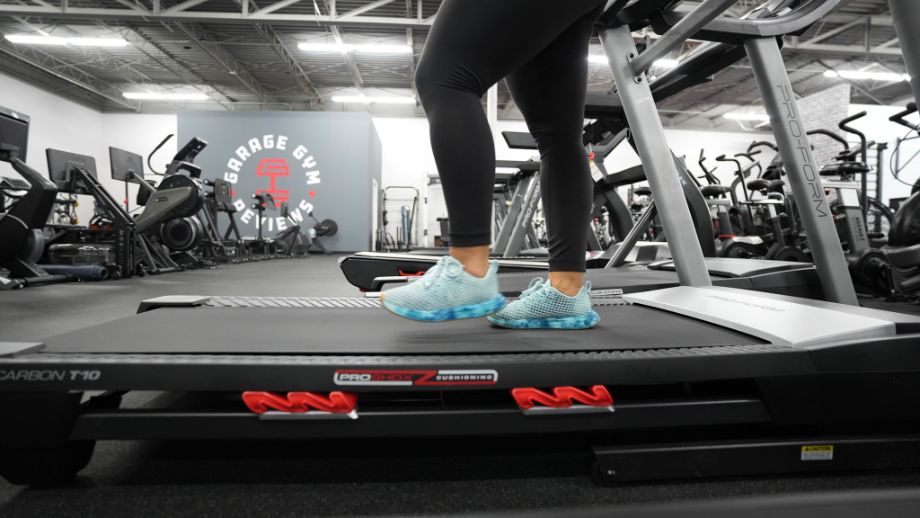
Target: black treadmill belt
pixel 373 331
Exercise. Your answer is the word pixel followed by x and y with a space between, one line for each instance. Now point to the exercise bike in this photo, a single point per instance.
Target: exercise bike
pixel 903 248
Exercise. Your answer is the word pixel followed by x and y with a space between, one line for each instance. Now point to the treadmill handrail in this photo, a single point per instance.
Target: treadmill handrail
pixel 679 33
pixel 794 20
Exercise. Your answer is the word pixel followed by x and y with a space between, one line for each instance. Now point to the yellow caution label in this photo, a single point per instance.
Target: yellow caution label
pixel 817 452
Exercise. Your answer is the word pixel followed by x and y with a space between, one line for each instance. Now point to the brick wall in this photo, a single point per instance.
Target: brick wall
pixel 824 110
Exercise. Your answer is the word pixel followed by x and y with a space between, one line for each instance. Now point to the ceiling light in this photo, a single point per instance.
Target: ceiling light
pixel 38 39
pixel 164 96
pixel 372 100
pixel 867 75
pixel 665 63
pixel 658 63
pixel 747 116
pixel 369 48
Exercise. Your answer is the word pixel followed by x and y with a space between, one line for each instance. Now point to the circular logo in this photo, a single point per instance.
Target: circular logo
pixel 288 173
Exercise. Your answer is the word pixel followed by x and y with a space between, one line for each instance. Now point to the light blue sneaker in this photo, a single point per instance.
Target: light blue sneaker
pixel 446 292
pixel 541 306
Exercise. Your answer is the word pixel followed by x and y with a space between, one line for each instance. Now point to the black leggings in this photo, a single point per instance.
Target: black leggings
pixel 541 46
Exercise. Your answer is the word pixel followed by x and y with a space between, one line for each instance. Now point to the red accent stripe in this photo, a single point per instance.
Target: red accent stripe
pixel 300 402
pixel 562 397
pixel 404 273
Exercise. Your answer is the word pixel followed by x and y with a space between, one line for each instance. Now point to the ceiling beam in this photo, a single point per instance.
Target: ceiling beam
pixel 236 69
pixel 410 40
pixel 224 16
pixel 147 46
pixel 365 8
pixel 96 58
pixel 349 60
pixel 854 85
pixel 277 6
pixel 879 51
pixel 271 36
pixel 821 36
pixel 74 75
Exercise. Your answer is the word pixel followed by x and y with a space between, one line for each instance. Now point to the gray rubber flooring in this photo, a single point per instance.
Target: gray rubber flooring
pixel 140 479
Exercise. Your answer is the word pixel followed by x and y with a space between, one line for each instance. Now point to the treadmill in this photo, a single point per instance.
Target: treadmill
pixel 689 381
pixel 635 266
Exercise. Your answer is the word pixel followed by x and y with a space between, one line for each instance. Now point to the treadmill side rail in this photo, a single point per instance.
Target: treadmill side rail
pixel 782 321
pixel 13 349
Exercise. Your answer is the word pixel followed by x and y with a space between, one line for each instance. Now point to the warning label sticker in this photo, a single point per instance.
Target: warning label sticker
pixel 817 452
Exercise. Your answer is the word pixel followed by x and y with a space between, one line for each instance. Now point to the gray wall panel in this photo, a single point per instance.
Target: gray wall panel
pixel 319 159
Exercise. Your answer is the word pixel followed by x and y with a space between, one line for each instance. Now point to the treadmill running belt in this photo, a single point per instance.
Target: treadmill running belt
pixel 332 331
pixel 631 279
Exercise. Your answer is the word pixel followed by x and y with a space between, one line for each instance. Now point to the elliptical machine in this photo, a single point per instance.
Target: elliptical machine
pixel 185 226
pixel 21 221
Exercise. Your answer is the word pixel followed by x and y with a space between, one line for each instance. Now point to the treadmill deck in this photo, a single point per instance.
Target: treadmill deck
pixel 360 326
pixel 200 343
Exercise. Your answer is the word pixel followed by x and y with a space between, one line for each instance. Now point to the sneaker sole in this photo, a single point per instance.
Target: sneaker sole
pixel 478 310
pixel 586 321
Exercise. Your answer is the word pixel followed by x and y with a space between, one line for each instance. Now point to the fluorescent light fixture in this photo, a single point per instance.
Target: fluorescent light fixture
pixel 658 63
pixel 747 116
pixel 38 39
pixel 665 63
pixel 361 99
pixel 164 96
pixel 867 75
pixel 367 48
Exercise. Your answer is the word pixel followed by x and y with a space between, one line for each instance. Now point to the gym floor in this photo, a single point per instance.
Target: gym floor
pixel 324 479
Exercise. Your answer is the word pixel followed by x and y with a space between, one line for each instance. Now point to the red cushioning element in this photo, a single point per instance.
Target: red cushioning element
pixel 300 402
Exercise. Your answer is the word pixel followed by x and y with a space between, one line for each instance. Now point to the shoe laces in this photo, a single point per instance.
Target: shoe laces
pixel 443 268
pixel 535 285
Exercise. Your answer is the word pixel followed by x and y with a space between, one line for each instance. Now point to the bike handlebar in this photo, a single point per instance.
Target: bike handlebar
pixel 863 143
pixel 831 134
pixel 899 117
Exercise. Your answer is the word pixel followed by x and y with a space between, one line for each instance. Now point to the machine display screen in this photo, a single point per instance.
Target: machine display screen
pixel 60 170
pixel 14 131
pixel 124 162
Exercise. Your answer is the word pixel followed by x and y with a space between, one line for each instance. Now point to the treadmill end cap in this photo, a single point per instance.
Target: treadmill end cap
pixel 174 301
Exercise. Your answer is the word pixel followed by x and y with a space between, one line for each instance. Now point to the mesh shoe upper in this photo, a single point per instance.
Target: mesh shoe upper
pixel 445 285
pixel 540 300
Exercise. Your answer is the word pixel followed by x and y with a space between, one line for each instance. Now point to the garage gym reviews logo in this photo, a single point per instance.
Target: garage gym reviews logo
pixel 288 172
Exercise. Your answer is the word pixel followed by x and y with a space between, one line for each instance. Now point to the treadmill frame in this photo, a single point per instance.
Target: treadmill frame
pixel 873 381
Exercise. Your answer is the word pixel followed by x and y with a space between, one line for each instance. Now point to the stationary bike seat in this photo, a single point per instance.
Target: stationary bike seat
pixel 712 191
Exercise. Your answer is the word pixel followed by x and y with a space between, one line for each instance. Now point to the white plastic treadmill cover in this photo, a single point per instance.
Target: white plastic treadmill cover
pixel 789 321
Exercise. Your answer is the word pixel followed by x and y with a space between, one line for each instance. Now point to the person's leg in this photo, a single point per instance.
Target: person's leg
pixel 471 46
pixel 550 91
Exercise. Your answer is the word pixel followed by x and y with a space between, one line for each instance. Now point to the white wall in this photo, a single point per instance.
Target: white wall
pixel 55 123
pixel 407 160
pixel 877 127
